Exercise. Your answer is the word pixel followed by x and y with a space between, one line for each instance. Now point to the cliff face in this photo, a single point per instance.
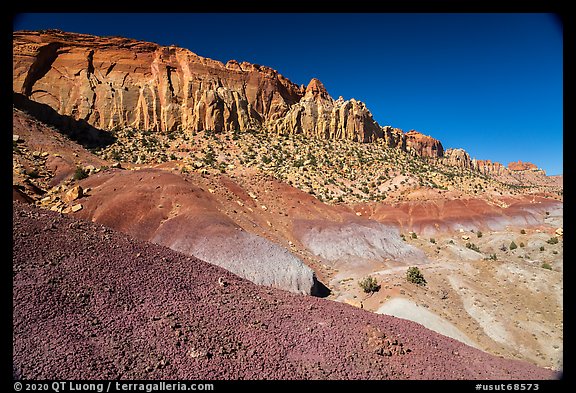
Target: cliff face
pixel 113 82
pixel 457 157
pixel 116 82
pixel 423 145
pixel 319 115
pixel 460 158
pixel 522 166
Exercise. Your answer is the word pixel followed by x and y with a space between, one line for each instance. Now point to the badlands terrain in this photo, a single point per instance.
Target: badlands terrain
pixel 176 217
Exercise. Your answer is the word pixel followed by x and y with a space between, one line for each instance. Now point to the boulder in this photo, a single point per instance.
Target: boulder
pixel 73 194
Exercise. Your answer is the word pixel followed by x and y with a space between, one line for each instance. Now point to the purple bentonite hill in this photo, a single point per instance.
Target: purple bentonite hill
pixel 92 303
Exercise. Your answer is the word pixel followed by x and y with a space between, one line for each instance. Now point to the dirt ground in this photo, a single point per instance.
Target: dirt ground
pixel 511 306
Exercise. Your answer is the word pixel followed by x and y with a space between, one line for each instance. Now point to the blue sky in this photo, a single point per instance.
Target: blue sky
pixel 489 83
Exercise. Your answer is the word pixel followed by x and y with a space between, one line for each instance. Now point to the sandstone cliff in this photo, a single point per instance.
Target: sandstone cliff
pixel 116 82
pixel 423 145
pixel 522 166
pixel 488 167
pixel 457 157
pixel 460 158
pixel 113 82
pixel 319 115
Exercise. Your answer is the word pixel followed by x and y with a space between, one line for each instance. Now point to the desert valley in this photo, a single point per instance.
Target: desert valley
pixel 178 217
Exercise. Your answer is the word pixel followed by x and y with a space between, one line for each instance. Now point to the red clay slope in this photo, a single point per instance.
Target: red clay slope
pixel 92 303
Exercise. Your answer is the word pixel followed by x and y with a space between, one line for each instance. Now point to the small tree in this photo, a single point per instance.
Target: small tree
pixel 414 275
pixel 414 235
pixel 369 284
pixel 513 245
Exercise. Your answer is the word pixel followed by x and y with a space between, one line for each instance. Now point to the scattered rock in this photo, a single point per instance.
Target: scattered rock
pixel 73 194
pixel 76 208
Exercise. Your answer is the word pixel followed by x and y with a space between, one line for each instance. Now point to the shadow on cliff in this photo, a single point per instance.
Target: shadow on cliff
pixel 78 130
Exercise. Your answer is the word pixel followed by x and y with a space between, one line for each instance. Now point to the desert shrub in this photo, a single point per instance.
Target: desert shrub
pixel 479 233
pixel 541 248
pixel 552 240
pixel 546 266
pixel 513 245
pixel 369 284
pixel 432 240
pixel 493 257
pixel 523 231
pixel 473 247
pixel 521 244
pixel 414 235
pixel 415 276
pixel 80 173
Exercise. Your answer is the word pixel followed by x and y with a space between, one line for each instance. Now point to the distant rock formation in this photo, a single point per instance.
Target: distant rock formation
pixel 319 115
pixel 461 159
pixel 521 166
pixel 457 157
pixel 423 145
pixel 488 167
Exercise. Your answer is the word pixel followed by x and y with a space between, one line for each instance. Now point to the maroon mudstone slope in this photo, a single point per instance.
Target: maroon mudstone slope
pixel 93 303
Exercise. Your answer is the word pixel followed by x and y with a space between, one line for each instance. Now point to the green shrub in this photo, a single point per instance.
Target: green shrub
pixel 493 257
pixel 546 266
pixel 414 235
pixel 479 234
pixel 523 231
pixel 432 240
pixel 414 275
pixel 521 244
pixel 473 247
pixel 541 248
pixel 552 240
pixel 80 173
pixel 513 245
pixel 369 284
